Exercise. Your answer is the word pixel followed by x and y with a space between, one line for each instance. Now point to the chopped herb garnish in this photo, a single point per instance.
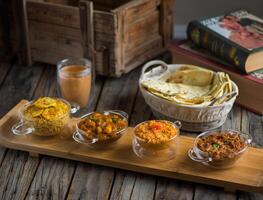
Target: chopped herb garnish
pixel 114 120
pixel 215 145
pixel 94 119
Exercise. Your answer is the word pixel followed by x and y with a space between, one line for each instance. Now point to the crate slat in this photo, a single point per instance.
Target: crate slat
pixel 126 33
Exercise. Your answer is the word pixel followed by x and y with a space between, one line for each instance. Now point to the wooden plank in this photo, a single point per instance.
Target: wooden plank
pixel 202 192
pixel 249 196
pixel 4 68
pixel 119 39
pixel 91 182
pixel 127 184
pixel 51 57
pixel 42 41
pixel 253 124
pixel 144 187
pixel 207 192
pixel 166 21
pixel 137 8
pixel 103 22
pixel 145 52
pixel 52 179
pixel 143 30
pixel 165 188
pixel 53 13
pixel 69 33
pixel 116 94
pixel 171 189
pixel 25 33
pixel 87 29
pixel 17 170
pixel 16 174
pixel 105 43
pixel 20 83
pixel 120 92
pixel 43 185
pixel 123 185
pixel 47 176
pixel 17 30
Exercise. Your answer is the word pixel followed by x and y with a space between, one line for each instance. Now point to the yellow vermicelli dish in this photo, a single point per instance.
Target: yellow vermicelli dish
pixel 47 115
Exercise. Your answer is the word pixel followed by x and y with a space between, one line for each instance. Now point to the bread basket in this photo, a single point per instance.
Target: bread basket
pixel 194 118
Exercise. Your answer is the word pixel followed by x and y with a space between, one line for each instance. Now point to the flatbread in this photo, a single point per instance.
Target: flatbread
pixel 190 85
pixel 194 77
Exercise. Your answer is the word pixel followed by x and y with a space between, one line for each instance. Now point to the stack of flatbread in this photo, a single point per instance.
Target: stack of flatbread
pixel 190 85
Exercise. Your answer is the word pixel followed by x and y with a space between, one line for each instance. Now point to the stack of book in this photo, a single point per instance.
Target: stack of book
pixel 232 43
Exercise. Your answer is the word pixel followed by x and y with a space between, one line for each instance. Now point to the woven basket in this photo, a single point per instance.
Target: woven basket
pixel 193 118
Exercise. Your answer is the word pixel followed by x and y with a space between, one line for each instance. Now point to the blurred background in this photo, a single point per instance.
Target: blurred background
pixel 187 10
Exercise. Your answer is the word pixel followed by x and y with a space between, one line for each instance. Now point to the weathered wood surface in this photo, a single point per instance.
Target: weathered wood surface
pixel 124 34
pixel 17 169
pixel 116 94
pixel 24 177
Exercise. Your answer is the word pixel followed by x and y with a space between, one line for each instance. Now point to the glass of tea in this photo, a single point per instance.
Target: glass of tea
pixel 75 78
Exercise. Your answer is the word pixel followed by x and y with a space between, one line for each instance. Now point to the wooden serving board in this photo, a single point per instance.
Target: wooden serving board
pixel 246 175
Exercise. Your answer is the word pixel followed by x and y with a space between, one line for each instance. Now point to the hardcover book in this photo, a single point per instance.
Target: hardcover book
pixel 250 85
pixel 236 37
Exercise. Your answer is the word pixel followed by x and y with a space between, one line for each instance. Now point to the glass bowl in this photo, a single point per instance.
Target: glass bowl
pixel 156 150
pixel 220 159
pixel 39 125
pixel 95 141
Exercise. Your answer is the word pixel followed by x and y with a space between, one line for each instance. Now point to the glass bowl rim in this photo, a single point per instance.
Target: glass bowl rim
pixel 26 105
pixel 118 133
pixel 247 141
pixel 160 120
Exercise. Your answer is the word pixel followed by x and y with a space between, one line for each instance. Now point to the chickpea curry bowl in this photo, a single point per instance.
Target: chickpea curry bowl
pixel 100 128
pixel 219 149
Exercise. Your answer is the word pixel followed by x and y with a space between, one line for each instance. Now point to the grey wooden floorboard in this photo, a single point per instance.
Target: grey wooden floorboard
pixel 116 94
pixel 169 189
pixel 52 179
pixel 208 192
pixel 4 68
pixel 62 171
pixel 19 84
pixel 17 169
pixel 253 124
pixel 129 184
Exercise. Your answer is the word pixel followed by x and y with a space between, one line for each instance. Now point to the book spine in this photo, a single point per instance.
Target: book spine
pixel 218 45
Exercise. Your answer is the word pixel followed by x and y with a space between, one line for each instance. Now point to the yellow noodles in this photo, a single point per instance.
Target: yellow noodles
pixel 47 115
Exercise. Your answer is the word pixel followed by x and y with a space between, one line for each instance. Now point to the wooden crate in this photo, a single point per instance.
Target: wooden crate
pixel 116 35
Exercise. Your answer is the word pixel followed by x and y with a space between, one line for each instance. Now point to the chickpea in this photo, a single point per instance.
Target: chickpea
pixel 108 129
pixel 97 115
pixel 99 130
pixel 91 123
pixel 109 120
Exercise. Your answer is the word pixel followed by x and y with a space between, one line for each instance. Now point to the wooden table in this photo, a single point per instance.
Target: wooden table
pixel 25 177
